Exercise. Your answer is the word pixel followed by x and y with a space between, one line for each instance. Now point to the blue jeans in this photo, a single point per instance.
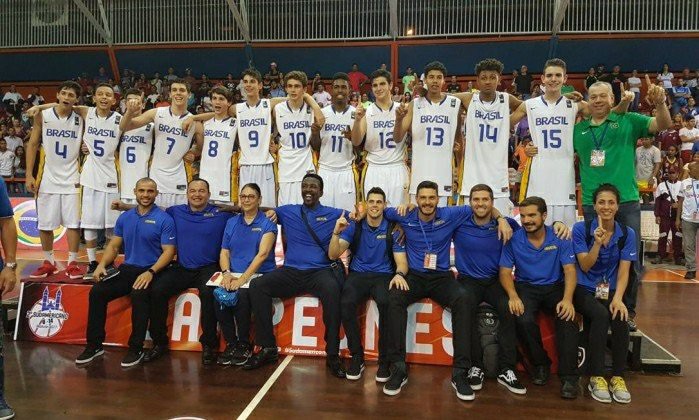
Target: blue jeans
pixel 629 214
pixel 636 101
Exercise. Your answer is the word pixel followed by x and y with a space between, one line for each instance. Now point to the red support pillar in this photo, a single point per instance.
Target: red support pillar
pixel 114 64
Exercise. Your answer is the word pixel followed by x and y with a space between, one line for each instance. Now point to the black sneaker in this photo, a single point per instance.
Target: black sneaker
pixel 383 374
pixel 356 368
pixel 509 380
pixel 399 377
pixel 89 275
pixel 460 382
pixel 335 367
pixel 132 358
pixel 6 412
pixel 569 389
pixel 89 354
pixel 475 378
pixel 263 357
pixel 208 356
pixel 241 354
pixel 155 353
pixel 226 358
pixel 541 375
pixel 690 275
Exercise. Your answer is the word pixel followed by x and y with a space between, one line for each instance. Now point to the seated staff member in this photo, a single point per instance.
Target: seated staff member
pixel 605 250
pixel 247 249
pixel 545 278
pixel 428 232
pixel 373 270
pixel 148 236
pixel 200 226
pixel 306 269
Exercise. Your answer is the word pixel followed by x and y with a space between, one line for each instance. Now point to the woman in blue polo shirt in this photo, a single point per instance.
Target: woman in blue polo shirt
pixel 605 251
pixel 247 250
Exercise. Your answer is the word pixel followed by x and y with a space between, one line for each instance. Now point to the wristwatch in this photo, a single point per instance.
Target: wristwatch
pixel 11 265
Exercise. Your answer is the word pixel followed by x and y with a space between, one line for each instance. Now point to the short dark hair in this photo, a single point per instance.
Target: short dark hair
pixel 252 73
pixel 69 84
pixel 296 75
pixel 199 180
pixel 427 184
pixel 181 82
pixel 380 73
pixel 340 76
pixel 221 91
pixel 489 64
pixel 133 91
pixel 314 176
pixel 608 188
pixel 254 186
pixel 107 85
pixel 376 190
pixel 436 65
pixel 539 202
pixel 481 187
pixel 555 62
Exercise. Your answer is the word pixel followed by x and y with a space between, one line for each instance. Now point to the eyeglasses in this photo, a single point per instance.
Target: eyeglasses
pixel 247 197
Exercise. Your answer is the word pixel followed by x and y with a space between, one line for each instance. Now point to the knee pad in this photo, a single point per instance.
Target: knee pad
pixel 90 234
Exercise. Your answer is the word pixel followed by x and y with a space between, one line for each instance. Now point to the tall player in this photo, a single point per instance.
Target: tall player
pixel 385 156
pixel 173 144
pixel 57 134
pixel 433 122
pixel 134 152
pixel 333 139
pixel 293 120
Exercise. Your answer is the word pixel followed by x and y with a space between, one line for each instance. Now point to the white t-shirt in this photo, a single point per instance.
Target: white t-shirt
pixel 694 132
pixel 645 160
pixel 13 142
pixel 634 84
pixel 689 190
pixel 13 97
pixel 7 163
pixel 666 78
pixel 323 98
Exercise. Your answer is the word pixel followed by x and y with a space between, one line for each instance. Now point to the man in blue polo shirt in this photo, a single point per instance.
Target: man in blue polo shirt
pixel 428 231
pixel 545 278
pixel 306 269
pixel 8 279
pixel 148 236
pixel 200 226
pixel 372 269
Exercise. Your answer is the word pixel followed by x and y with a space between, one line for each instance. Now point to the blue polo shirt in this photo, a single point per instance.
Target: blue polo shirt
pixel 478 248
pixel 144 235
pixel 370 255
pixel 243 242
pixel 432 237
pixel 201 233
pixel 607 264
pixel 538 266
pixel 5 209
pixel 302 252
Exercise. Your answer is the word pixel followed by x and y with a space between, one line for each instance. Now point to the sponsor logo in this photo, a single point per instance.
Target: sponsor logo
pixel 551 248
pixel 26 220
pixel 47 316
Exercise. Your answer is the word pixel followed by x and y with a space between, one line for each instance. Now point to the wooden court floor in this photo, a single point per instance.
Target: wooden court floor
pixel 42 381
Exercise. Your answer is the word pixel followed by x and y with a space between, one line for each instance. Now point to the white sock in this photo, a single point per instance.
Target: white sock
pixel 92 254
pixel 72 256
pixel 48 256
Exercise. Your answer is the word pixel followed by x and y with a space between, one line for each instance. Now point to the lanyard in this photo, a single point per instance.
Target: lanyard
pixel 424 236
pixel 598 143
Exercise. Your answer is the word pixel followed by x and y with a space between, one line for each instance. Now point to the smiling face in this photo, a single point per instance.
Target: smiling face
pixel 601 100
pixel 249 199
pixel 311 191
pixel 375 205
pixel 340 92
pixel 606 206
pixel 532 220
pixel 427 201
pixel 179 94
pixel 145 191
pixel 198 194
pixel 554 78
pixel 381 88
pixel 481 203
pixel 104 98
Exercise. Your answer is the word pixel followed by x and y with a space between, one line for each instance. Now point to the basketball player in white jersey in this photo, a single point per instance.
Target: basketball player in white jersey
pixel 550 173
pixel 219 139
pixel 293 119
pixel 134 153
pixel 433 122
pixel 173 144
pixel 333 140
pixel 57 133
pixel 385 167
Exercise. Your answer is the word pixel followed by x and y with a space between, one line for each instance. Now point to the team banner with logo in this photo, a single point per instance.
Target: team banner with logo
pixel 27 231
pixel 56 313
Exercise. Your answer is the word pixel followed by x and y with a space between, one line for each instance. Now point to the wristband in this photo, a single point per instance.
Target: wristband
pixel 398 273
pixel 225 271
pixel 150 270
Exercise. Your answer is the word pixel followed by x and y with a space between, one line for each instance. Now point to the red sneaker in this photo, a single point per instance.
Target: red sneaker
pixel 74 271
pixel 46 269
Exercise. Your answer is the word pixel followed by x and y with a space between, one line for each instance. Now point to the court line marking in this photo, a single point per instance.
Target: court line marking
pixel 263 391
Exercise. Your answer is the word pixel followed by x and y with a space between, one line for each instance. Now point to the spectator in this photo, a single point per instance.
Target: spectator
pixel 383 67
pixel 618 82
pixel 162 101
pixel 354 99
pixel 688 135
pixel 470 88
pixel 241 89
pixel 115 87
pixel 229 83
pixel 322 96
pixel 671 136
pixel 203 87
pixel 24 118
pixel 524 83
pixel 590 79
pixel 357 79
pixel 408 80
pixel 397 96
pixel 365 101
pixel 267 87
pixel 685 168
pixel 102 76
pixel 277 91
pixel 600 71
pixel 12 140
pixel 85 81
pixel 88 96
pixel 170 76
pixel 35 98
pixel 671 162
pixel 665 210
pixel 151 99
pixel 454 86
pixel 316 80
pixel 127 78
pixel 7 162
pixel 157 83
pixel 274 74
pixel 19 130
pixel 680 94
pixel 635 87
pixel 192 102
pixel 20 169
pixel 13 101
pixel 665 76
pixel 647 164
pixel 693 110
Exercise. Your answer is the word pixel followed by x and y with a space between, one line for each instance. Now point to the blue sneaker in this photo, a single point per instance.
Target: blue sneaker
pixel 6 412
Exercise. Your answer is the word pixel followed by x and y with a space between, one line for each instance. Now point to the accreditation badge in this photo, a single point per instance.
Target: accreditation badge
pixel 602 290
pixel 597 158
pixel 430 262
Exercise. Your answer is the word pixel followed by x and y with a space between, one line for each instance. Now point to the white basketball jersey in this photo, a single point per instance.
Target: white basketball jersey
pixel 61 139
pixel 134 155
pixel 433 129
pixel 379 144
pixel 336 152
pixel 487 144
pixel 167 168
pixel 294 127
pixel 254 133
pixel 552 174
pixel 215 166
pixel 102 139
